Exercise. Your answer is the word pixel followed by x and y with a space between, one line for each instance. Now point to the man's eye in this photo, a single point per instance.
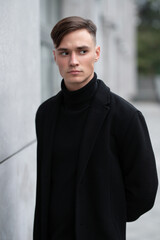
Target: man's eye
pixel 64 53
pixel 83 51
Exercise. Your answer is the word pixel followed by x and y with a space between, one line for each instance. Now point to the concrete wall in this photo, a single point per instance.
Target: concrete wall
pixel 19 98
pixel 119 19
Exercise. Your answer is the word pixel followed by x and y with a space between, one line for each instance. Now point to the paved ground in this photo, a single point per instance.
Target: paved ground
pixel 147 227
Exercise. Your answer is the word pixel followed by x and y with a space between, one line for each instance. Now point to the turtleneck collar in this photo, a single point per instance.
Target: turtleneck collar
pixel 81 97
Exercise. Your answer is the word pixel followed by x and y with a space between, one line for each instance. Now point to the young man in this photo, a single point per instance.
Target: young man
pixel 96 168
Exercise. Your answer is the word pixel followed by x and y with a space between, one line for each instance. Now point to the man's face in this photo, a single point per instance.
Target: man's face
pixel 75 58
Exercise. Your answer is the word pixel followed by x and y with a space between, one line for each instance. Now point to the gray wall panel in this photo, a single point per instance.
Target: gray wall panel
pixel 17 201
pixel 20 74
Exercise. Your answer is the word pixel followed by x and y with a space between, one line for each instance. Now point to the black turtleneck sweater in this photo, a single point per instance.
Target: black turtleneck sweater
pixel 68 134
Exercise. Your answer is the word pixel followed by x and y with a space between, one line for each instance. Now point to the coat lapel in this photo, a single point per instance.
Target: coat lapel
pixel 50 125
pixel 96 116
pixel 46 167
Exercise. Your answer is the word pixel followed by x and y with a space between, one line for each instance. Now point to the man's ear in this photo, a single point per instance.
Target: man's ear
pixel 97 53
pixel 54 54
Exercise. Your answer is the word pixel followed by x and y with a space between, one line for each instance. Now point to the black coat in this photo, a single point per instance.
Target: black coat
pixel 116 175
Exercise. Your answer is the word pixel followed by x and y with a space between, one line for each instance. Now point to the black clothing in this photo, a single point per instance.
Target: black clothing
pixel 70 122
pixel 116 177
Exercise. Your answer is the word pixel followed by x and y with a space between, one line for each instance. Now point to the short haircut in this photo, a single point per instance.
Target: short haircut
pixel 70 24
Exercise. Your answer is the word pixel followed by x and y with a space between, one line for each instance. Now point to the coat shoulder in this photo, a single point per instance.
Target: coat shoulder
pixel 120 105
pixel 49 104
pixel 124 113
pixel 125 118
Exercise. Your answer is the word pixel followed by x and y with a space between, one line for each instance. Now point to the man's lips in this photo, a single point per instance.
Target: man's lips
pixel 74 71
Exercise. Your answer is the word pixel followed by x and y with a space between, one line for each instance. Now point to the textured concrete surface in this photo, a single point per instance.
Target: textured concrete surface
pixel 19 73
pixel 17 187
pixel 19 99
pixel 147 227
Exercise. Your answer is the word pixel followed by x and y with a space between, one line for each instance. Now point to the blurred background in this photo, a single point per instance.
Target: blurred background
pixel 129 36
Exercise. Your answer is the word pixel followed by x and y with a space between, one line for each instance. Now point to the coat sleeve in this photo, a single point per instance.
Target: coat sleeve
pixel 138 167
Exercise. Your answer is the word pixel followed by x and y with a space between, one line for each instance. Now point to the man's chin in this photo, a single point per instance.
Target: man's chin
pixel 75 83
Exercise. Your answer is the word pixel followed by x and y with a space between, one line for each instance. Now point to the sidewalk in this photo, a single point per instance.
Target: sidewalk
pixel 147 227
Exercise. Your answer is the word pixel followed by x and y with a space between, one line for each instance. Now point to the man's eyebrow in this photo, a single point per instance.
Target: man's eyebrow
pixel 82 47
pixel 66 49
pixel 62 49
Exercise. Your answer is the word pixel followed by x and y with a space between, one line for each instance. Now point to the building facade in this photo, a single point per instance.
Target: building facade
pixel 29 75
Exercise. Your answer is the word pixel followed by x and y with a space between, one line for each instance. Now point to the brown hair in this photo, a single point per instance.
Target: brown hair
pixel 70 24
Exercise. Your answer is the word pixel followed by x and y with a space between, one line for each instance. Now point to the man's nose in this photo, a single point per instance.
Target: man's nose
pixel 73 60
